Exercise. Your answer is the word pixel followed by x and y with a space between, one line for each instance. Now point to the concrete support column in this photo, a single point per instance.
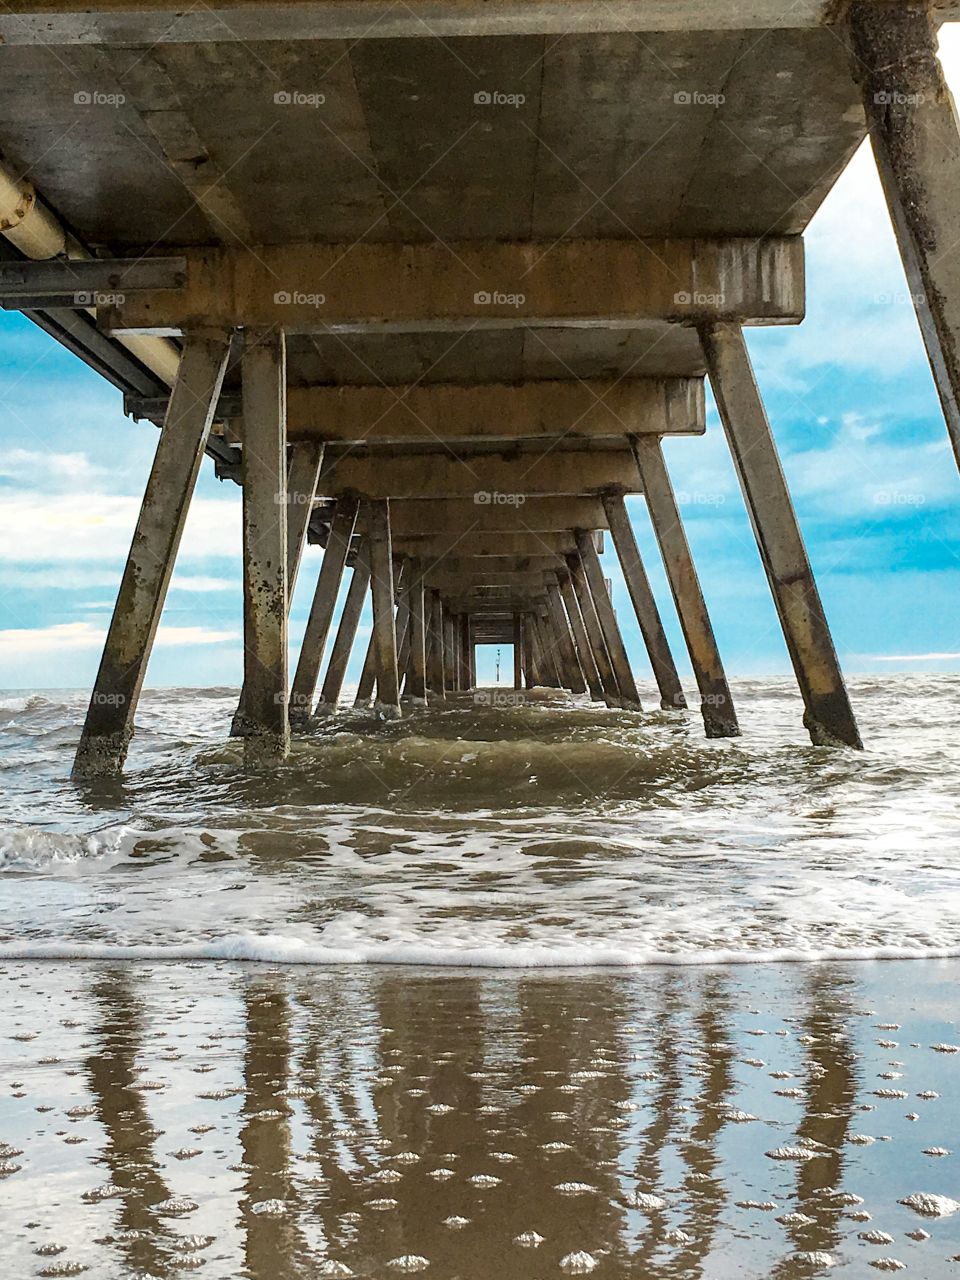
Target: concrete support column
pixel 517 651
pixel 322 609
pixel 916 141
pixel 417 678
pixel 567 651
pixel 265 728
pixel 829 717
pixel 108 726
pixel 588 663
pixel 549 666
pixel 716 704
pixel 384 619
pixel 368 676
pixel 629 695
pixel 535 660
pixel 303 469
pixel 595 636
pixel 644 605
pixel 529 663
pixel 401 579
pixel 435 657
pixel 346 634
pixel 449 651
pixel 466 648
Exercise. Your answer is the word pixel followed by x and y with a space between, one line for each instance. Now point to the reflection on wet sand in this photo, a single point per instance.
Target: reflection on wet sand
pixel 662 1124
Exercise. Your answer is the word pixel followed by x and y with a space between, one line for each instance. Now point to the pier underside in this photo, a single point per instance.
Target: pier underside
pixel 433 282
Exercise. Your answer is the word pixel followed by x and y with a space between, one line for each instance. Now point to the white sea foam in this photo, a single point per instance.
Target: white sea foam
pixel 278 949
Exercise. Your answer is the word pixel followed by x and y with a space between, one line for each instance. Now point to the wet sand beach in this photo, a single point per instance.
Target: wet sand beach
pixel 254 1121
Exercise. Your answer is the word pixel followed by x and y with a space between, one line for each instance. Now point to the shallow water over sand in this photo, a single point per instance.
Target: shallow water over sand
pixel 272 1124
pixel 546 833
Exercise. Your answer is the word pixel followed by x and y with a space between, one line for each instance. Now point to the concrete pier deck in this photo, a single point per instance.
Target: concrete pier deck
pixel 480 257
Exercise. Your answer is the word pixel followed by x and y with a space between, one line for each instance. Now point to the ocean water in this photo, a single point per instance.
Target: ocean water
pixel 526 991
pixel 549 833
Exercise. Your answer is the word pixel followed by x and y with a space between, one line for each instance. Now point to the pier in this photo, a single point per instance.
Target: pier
pixel 432 282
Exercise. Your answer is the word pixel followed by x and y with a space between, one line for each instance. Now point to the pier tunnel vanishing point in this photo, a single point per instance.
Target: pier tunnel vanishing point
pixel 432 281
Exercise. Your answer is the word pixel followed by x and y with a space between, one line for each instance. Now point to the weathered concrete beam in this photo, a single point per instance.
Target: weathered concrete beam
pixel 108 726
pixel 463 518
pixel 424 412
pixel 644 604
pixel 152 22
pixel 454 565
pixel 829 717
pixel 916 141
pixel 443 580
pixel 265 724
pixel 309 288
pixel 716 704
pixel 493 545
pixel 489 479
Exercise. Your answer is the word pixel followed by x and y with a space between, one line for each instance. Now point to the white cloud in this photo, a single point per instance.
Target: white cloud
pixel 69 577
pixel 912 657
pixel 64 636
pixel 58 470
pixel 44 528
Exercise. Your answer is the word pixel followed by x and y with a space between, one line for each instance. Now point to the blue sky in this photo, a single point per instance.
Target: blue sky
pixel 854 412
